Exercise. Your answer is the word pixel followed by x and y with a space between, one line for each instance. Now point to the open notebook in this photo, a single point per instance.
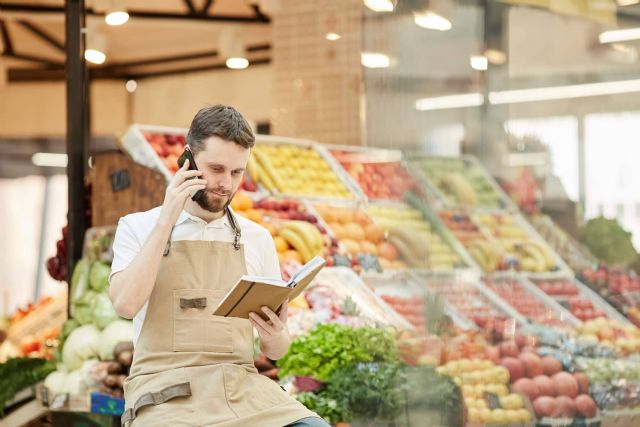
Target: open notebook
pixel 253 292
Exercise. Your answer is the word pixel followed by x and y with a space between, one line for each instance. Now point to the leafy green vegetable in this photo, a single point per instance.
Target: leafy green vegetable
pixel 332 346
pixel 103 311
pixel 79 281
pixel 20 373
pixel 82 310
pixel 332 410
pixel 608 241
pixel 99 276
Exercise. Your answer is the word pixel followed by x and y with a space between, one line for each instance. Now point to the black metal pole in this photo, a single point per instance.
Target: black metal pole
pixel 77 130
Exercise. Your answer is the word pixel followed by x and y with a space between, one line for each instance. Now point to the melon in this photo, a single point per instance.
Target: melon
pixel 551 365
pixel 586 406
pixel 515 367
pixel 583 382
pixel 532 364
pixel 565 407
pixel 527 387
pixel 509 349
pixel 544 406
pixel 566 384
pixel 546 385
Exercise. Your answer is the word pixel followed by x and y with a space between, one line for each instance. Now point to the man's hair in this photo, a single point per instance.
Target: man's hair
pixel 222 121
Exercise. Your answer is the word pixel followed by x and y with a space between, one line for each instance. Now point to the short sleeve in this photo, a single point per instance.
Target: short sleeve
pixel 125 247
pixel 271 261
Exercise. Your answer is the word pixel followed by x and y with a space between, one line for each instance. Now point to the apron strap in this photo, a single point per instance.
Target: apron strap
pixel 236 230
pixel 155 398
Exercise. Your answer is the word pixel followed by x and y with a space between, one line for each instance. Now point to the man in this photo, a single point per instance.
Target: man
pixel 172 265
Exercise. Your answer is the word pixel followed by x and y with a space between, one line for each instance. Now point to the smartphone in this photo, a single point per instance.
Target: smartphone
pixel 187 154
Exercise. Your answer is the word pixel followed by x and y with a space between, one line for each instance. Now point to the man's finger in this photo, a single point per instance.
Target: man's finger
pixel 264 325
pixel 271 315
pixel 284 311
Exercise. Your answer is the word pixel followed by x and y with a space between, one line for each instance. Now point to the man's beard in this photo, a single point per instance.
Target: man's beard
pixel 213 202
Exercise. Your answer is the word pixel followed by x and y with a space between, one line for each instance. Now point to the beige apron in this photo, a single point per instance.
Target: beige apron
pixel 192 368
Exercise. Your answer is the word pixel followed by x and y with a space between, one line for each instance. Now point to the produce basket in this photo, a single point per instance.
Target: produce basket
pixel 459 182
pixel 301 168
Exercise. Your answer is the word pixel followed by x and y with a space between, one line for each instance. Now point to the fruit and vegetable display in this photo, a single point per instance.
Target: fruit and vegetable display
pixel 570 250
pixel 521 251
pixel 581 303
pixel 614 383
pixel 362 239
pixel 625 339
pixel 20 373
pixel 378 179
pixel 484 252
pixel 296 170
pixel 530 305
pixel 440 255
pixel 168 146
pixel 470 302
pixel 460 181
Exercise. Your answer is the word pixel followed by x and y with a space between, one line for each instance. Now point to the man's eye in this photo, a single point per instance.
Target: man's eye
pixel 237 173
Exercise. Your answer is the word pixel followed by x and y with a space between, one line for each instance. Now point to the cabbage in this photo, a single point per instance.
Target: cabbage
pixel 83 308
pixel 79 281
pixel 56 382
pixel 73 382
pixel 82 344
pixel 99 276
pixel 115 332
pixel 103 311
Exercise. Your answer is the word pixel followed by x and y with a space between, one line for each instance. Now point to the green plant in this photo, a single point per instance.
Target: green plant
pixel 20 373
pixel 331 346
pixel 329 408
pixel 608 241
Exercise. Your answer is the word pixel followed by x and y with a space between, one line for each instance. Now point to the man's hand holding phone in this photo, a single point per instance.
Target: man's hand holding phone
pixel 184 184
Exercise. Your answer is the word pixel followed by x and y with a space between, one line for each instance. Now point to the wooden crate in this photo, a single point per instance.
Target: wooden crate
pixel 121 186
pixel 53 314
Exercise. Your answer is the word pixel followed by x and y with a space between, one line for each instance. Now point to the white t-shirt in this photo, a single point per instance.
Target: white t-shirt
pixel 133 230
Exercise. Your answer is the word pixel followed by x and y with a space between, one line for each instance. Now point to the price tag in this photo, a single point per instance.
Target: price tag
pixel 59 401
pixel 119 180
pixel 493 401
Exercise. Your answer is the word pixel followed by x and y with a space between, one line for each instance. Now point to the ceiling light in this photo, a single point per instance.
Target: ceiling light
pixel 117 17
pixel 381 5
pixel 431 21
pixel 564 92
pixel 237 63
pixel 52 160
pixel 614 36
pixel 96 47
pixel 495 56
pixel 450 101
pixel 95 56
pixel 375 60
pixel 479 62
pixel 333 36
pixel 131 86
pixel 627 2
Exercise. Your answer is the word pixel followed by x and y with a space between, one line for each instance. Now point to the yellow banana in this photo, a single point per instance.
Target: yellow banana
pixel 407 253
pixel 296 242
pixel 479 256
pixel 411 240
pixel 268 169
pixel 309 233
pixel 253 169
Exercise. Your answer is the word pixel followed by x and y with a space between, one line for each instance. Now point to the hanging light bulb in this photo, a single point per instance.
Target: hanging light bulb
pixel 116 13
pixel 230 46
pixel 381 5
pixel 95 51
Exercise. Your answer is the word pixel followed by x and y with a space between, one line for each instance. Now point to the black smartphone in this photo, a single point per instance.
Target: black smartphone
pixel 187 154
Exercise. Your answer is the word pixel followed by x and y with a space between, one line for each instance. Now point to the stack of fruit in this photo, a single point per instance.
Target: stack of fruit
pixel 167 146
pixel 526 303
pixel 567 294
pixel 295 170
pixel 470 303
pixel 485 392
pixel 554 393
pixel 356 231
pixel 484 252
pixel 441 256
pixel 521 250
pixel 461 181
pixel 296 232
pixel 624 338
pixel 378 180
pixel 409 307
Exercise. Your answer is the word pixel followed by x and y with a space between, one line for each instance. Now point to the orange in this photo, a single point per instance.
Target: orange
pixel 345 216
pixel 292 254
pixel 281 244
pixel 352 246
pixel 241 202
pixel 368 247
pixel 337 229
pixel 388 251
pixel 374 233
pixel 273 228
pixel 361 218
pixel 354 231
pixel 253 215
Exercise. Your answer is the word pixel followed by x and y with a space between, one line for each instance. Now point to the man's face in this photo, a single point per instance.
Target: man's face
pixel 222 164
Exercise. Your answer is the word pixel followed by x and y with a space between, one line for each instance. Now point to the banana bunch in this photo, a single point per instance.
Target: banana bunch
pixel 263 172
pixel 485 254
pixel 304 237
pixel 459 187
pixel 411 245
pixel 535 257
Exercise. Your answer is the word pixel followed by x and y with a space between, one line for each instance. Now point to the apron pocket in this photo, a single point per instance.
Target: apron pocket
pixel 195 328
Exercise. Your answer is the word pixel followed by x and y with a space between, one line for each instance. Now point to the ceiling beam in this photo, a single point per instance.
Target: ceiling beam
pixel 43 35
pixel 58 74
pixel 38 8
pixel 6 40
pixel 190 6
pixel 206 7
pixel 34 58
